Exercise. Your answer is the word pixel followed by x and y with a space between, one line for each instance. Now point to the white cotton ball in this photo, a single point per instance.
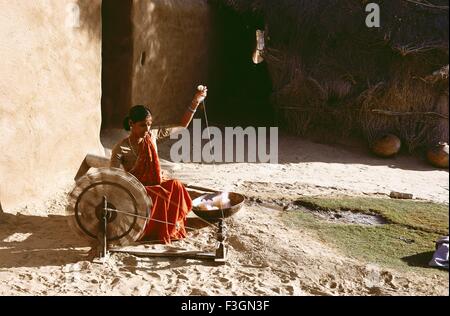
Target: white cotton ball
pixel 203 207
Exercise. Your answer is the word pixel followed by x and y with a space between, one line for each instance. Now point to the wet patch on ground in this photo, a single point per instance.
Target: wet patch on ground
pixel 344 216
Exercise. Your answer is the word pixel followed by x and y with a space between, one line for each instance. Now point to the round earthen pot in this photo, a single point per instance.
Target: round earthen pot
pixel 438 155
pixel 386 146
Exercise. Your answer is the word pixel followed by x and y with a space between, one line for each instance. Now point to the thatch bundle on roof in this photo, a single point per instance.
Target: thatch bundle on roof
pixel 331 72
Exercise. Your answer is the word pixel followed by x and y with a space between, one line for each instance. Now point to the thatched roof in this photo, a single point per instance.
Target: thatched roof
pixel 405 23
pixel 329 70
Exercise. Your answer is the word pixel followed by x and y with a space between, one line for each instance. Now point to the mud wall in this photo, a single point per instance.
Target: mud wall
pixel 50 90
pixel 171 55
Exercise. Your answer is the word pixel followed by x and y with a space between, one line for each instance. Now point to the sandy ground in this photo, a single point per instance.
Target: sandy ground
pixel 40 255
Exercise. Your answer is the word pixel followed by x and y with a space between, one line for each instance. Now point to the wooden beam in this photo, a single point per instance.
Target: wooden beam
pixel 181 254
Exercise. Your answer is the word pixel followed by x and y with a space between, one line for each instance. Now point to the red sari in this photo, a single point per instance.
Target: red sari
pixel 171 201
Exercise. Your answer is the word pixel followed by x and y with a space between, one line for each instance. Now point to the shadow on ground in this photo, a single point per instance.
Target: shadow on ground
pixel 419 260
pixel 34 241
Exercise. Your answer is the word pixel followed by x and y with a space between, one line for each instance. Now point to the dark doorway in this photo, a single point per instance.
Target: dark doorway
pixel 239 90
pixel 117 60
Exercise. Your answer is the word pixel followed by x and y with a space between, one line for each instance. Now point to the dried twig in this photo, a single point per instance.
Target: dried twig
pixel 392 113
pixel 429 5
pixel 414 49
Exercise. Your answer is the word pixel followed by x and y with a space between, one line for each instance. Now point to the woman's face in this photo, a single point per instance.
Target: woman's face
pixel 141 128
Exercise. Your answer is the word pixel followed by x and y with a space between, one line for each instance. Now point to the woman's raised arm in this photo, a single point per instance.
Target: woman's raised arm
pixel 199 97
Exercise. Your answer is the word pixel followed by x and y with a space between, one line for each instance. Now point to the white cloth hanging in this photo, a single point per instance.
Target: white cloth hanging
pixel 440 257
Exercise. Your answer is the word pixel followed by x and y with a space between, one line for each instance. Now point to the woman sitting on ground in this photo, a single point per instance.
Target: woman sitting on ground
pixel 138 155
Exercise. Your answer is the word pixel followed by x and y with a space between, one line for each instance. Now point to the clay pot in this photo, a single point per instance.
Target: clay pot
pixel 438 155
pixel 386 146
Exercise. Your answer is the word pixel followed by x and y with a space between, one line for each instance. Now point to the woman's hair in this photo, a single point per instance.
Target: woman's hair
pixel 137 113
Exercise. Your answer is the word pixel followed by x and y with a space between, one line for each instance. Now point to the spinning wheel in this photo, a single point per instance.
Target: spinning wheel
pixel 111 204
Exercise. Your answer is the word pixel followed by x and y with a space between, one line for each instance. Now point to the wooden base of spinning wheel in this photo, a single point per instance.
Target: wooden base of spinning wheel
pixel 219 257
